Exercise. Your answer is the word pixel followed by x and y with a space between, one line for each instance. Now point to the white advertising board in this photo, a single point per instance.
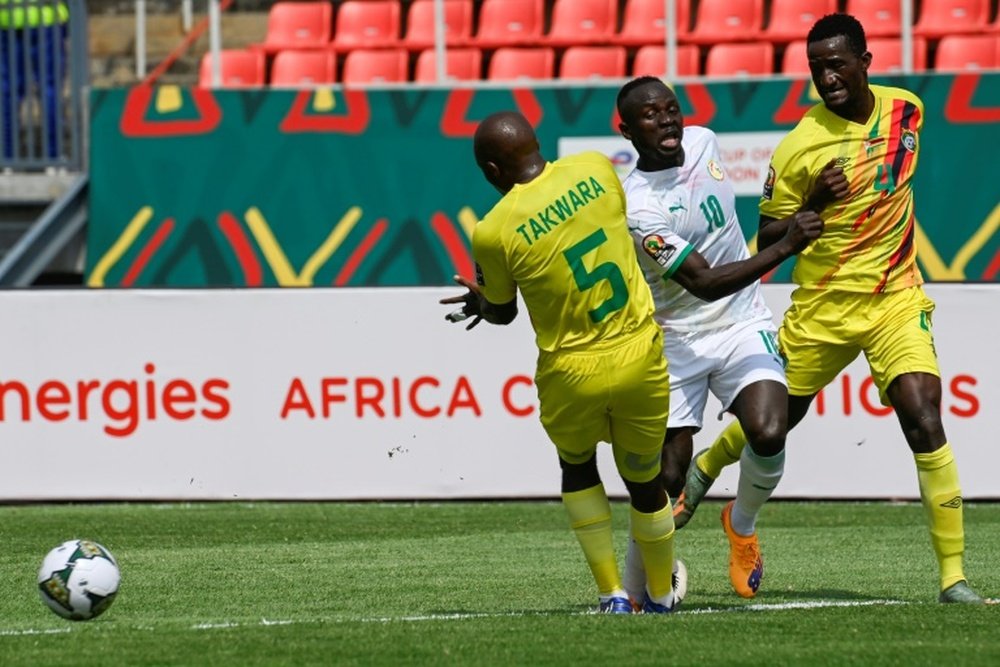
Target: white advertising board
pixel 370 394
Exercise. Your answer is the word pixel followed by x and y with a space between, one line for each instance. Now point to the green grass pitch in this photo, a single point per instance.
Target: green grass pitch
pixel 487 583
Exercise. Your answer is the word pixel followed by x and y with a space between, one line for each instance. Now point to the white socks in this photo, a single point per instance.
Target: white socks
pixel 759 475
pixel 634 579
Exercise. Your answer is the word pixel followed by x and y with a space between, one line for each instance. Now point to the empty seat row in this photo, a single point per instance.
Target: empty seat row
pixel 248 67
pixel 378 23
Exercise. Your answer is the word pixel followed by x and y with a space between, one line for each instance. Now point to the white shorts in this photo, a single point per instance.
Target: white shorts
pixel 723 361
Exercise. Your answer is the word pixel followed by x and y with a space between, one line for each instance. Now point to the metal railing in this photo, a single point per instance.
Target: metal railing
pixel 44 75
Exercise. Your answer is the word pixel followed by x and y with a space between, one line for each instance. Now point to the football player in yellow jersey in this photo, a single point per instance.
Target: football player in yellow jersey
pixel 559 236
pixel 851 159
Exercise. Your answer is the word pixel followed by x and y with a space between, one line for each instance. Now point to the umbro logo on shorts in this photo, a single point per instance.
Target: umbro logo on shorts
pixel 954 503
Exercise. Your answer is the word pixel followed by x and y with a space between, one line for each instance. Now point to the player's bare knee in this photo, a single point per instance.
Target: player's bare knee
pixel 923 428
pixel 579 476
pixel 673 480
pixel 765 434
pixel 647 497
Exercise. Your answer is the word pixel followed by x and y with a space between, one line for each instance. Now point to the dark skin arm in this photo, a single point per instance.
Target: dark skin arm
pixel 830 186
pixel 714 282
pixel 476 306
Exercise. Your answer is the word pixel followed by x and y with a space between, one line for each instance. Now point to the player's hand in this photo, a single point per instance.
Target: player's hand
pixel 803 228
pixel 830 186
pixel 471 303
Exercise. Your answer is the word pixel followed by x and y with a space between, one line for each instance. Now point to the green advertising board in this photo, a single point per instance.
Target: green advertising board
pixel 200 188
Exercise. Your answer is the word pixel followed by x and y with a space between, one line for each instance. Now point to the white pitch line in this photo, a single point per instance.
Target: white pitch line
pixel 747 608
pixel 25 633
pixel 266 622
pixel 782 606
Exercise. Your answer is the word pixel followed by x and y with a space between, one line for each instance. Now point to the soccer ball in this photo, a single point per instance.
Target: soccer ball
pixel 79 580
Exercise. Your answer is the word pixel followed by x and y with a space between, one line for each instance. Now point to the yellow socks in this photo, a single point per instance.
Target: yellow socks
pixel 590 518
pixel 942 498
pixel 724 451
pixel 654 535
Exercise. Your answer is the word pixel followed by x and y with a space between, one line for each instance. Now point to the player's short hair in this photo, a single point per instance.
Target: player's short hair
pixel 629 87
pixel 833 25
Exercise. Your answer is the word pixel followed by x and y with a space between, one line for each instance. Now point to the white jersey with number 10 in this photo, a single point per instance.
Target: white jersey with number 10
pixel 671 212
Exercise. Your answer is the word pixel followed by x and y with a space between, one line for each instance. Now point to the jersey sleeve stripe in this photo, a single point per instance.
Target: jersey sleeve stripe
pixel 677 263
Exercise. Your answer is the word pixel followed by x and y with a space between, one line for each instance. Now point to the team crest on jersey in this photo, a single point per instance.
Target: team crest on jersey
pixel 715 169
pixel 769 183
pixel 909 140
pixel 480 280
pixel 658 249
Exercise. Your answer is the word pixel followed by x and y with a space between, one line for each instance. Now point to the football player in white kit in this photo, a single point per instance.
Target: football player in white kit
pixel 719 333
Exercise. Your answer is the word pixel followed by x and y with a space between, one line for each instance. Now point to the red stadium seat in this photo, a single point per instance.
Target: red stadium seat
pixel 509 63
pixel 791 19
pixel 644 22
pixel 298 25
pixel 420 23
pixel 240 68
pixel 376 66
pixel 651 60
pixel 367 24
pixel 956 53
pixel 880 18
pixel 887 55
pixel 303 68
pixel 589 62
pixel 463 64
pixel 719 21
pixel 794 60
pixel 740 59
pixel 950 17
pixel 509 23
pixel 582 22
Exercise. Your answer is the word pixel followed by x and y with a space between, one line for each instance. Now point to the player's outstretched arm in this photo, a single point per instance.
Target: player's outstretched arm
pixel 476 306
pixel 770 231
pixel 714 282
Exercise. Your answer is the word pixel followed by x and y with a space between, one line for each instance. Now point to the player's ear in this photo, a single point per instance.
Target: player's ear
pixel 623 128
pixel 492 171
pixel 866 61
pixel 494 176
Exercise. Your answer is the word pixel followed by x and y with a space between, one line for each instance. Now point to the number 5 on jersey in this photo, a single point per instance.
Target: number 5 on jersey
pixel 604 271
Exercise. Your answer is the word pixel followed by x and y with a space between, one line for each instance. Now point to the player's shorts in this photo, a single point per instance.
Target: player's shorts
pixel 615 392
pixel 824 331
pixel 724 361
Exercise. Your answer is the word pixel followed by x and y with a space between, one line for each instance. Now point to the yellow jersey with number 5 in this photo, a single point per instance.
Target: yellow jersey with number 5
pixel 563 241
pixel 869 238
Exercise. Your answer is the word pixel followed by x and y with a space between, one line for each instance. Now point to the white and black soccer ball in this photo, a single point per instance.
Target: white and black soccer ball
pixel 79 579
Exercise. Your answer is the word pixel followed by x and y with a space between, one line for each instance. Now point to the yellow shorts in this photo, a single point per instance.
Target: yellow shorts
pixel 617 393
pixel 823 331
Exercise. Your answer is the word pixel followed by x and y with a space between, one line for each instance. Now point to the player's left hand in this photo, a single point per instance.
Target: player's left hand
pixel 471 303
pixel 831 185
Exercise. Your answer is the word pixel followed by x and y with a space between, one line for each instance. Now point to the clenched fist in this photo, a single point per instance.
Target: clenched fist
pixel 804 228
